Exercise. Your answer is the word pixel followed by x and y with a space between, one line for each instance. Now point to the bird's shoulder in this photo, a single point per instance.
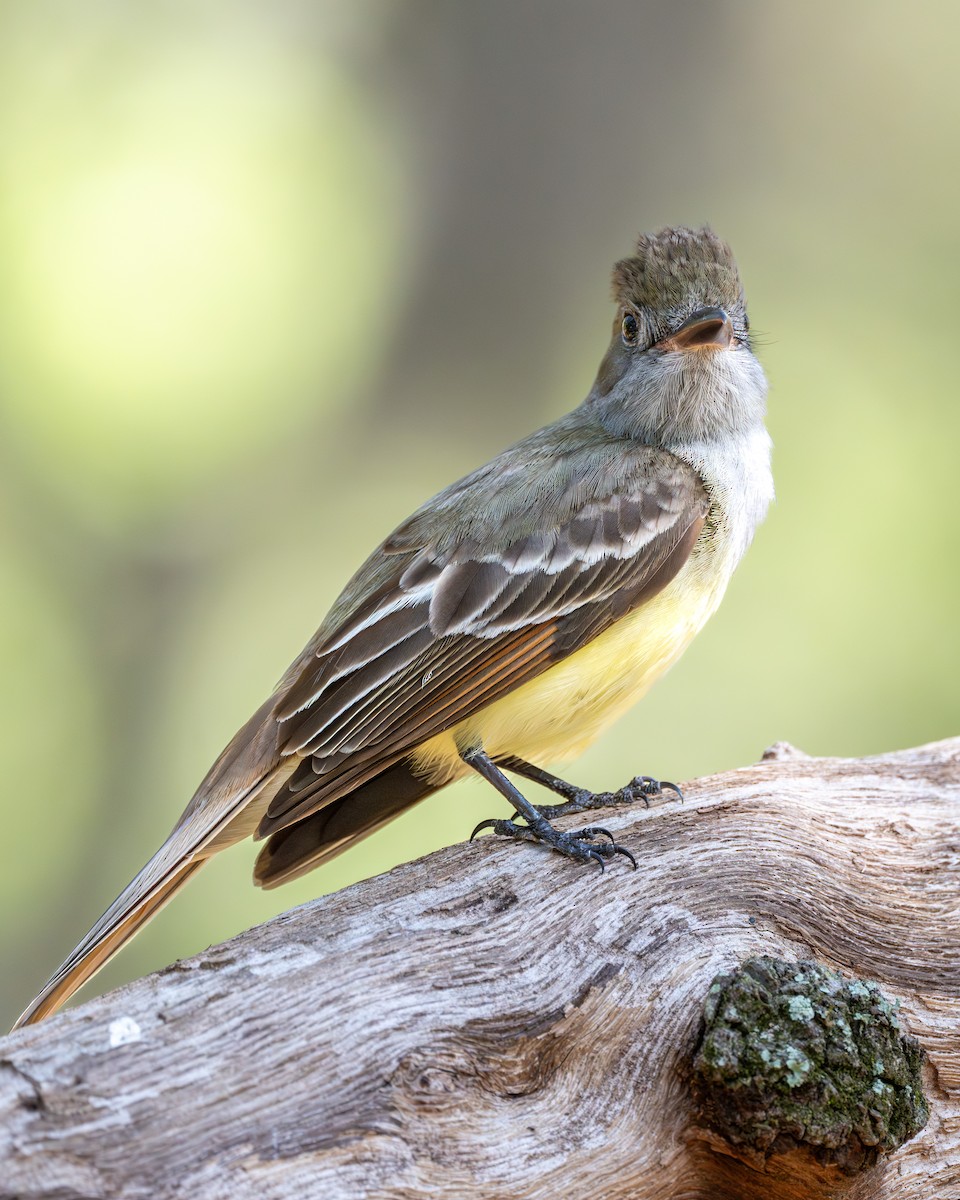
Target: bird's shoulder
pixel 569 492
pixel 543 482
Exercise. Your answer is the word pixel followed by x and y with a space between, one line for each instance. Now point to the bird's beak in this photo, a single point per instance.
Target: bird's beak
pixel 710 328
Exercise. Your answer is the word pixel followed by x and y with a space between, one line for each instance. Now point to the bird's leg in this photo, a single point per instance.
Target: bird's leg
pixel 577 844
pixel 578 799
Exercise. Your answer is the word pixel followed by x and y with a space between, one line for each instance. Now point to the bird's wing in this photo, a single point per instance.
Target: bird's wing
pixel 478 593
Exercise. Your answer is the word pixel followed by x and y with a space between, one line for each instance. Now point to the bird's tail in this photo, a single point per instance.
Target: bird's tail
pixel 135 905
pixel 226 808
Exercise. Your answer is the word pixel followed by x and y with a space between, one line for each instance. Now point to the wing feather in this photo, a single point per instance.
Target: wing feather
pixel 468 695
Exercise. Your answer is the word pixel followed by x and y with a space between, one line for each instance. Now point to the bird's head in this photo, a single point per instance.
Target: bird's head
pixel 680 367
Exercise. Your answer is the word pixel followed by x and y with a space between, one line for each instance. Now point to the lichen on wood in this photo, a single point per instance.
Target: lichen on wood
pixel 794 1054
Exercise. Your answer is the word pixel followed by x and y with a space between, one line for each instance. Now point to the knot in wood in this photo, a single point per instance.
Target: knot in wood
pixel 793 1055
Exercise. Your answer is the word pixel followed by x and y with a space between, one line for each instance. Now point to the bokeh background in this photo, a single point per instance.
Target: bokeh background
pixel 271 275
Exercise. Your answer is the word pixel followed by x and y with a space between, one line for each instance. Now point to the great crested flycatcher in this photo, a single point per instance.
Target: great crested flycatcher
pixel 514 615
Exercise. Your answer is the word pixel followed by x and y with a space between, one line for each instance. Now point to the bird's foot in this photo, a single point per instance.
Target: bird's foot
pixel 577 844
pixel 641 787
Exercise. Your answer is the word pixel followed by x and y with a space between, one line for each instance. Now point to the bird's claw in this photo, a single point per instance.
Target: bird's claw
pixel 490 823
pixel 646 786
pixel 609 850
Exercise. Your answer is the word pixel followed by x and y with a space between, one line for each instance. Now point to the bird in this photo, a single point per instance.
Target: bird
pixel 511 618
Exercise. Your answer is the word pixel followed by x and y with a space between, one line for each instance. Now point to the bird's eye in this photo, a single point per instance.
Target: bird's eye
pixel 629 329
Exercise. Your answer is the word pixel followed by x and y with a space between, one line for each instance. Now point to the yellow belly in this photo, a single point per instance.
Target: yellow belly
pixel 558 714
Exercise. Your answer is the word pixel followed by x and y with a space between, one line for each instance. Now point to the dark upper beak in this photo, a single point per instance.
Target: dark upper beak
pixel 710 327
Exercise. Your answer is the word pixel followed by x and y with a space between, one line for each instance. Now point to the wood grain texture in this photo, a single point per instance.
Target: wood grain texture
pixel 496 1022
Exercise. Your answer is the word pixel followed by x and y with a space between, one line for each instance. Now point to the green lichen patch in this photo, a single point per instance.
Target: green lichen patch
pixel 793 1054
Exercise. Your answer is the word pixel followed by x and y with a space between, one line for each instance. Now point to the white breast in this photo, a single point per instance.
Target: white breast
pixel 738 476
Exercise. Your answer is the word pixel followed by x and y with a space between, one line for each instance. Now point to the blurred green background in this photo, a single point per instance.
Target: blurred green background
pixel 271 275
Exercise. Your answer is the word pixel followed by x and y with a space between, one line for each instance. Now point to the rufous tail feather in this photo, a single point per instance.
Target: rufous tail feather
pixel 97 949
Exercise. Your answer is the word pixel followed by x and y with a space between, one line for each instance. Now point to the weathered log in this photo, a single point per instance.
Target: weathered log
pixel 493 1021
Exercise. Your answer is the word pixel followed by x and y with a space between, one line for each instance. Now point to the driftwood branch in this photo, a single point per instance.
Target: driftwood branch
pixel 496 1022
